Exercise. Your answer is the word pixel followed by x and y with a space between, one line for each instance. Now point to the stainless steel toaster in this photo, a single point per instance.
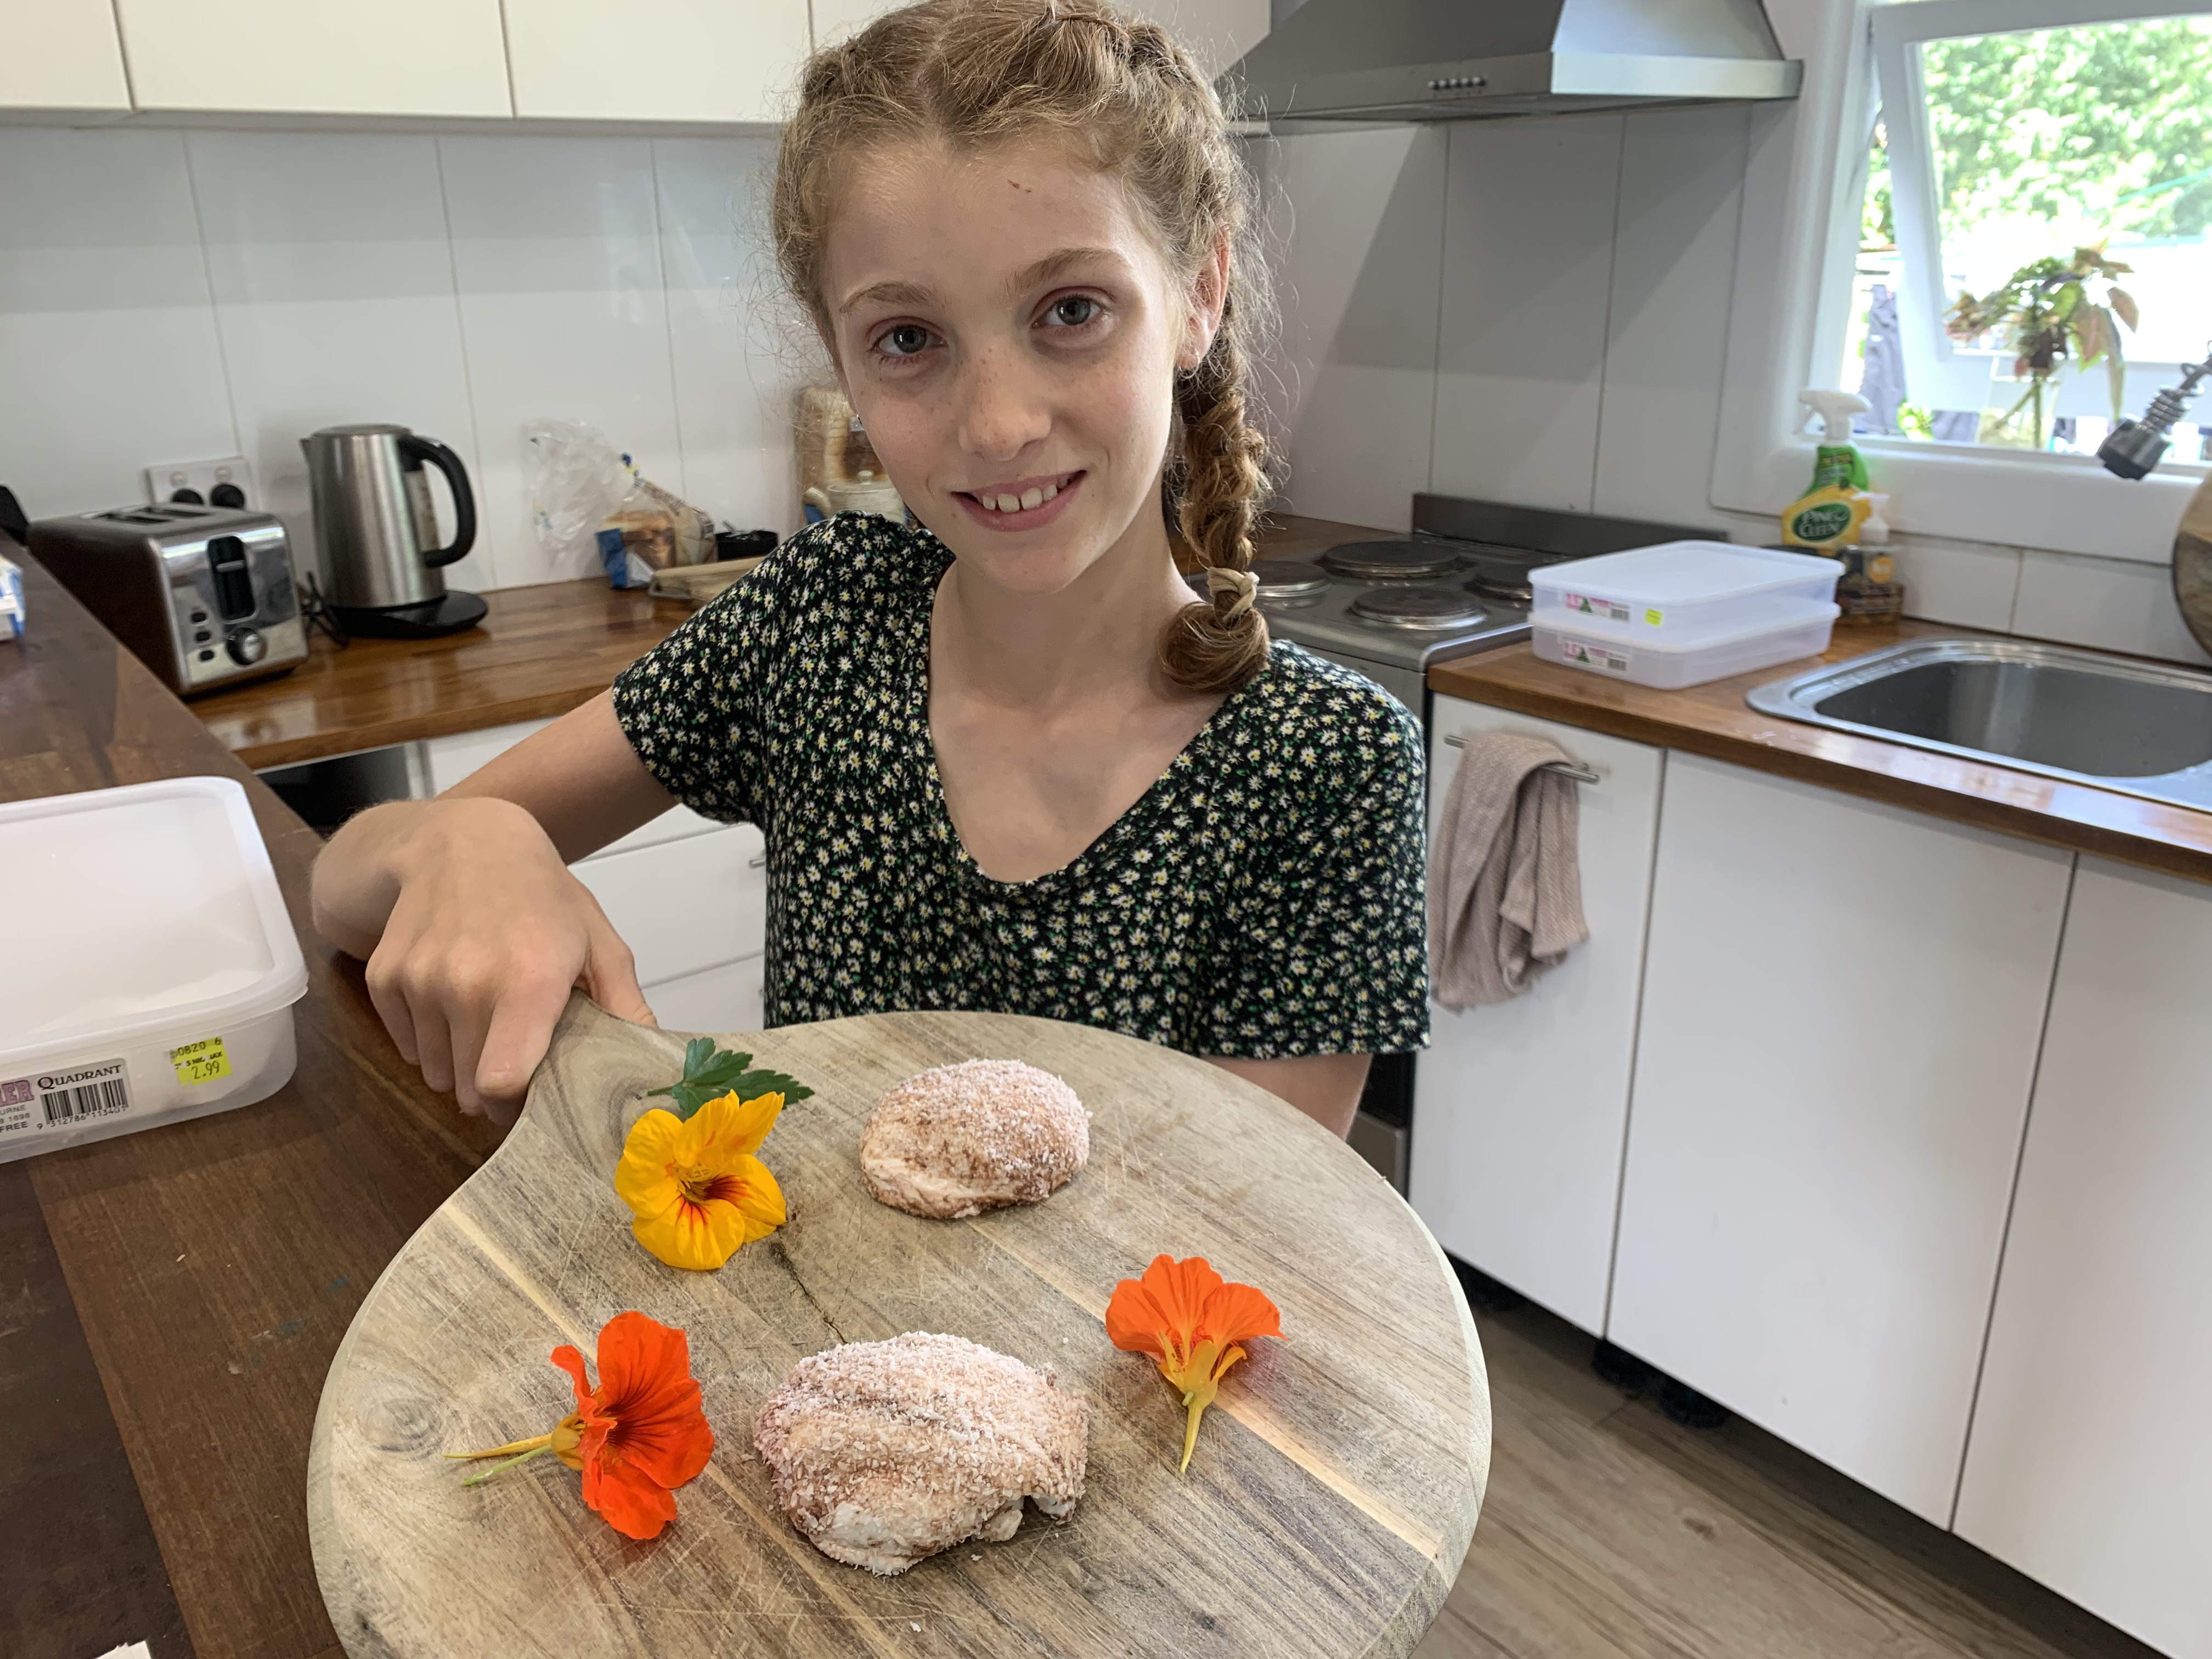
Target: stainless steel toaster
pixel 203 594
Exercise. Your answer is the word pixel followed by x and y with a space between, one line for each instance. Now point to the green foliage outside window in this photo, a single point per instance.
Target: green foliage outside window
pixel 2112 121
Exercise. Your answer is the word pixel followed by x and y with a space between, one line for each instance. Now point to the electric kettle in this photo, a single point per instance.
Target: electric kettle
pixel 378 532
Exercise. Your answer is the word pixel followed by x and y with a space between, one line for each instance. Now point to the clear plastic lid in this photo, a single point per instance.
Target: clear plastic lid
pixel 135 909
pixel 1679 573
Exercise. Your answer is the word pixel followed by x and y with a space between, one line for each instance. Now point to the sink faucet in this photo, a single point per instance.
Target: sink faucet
pixel 2135 448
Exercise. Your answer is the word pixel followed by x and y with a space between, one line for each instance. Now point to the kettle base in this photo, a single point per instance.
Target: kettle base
pixel 449 615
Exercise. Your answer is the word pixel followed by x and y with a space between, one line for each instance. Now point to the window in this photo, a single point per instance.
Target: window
pixel 2006 132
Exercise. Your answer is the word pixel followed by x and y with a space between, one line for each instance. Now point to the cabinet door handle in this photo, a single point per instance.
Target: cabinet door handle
pixel 757 861
pixel 1574 770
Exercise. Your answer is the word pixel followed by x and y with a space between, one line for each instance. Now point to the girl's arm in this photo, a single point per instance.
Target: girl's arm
pixel 1325 1087
pixel 473 928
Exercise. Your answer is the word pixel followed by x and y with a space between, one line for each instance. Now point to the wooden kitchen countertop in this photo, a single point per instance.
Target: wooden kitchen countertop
pixel 1715 720
pixel 174 1296
pixel 540 652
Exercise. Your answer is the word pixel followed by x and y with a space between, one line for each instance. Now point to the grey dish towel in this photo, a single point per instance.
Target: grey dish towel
pixel 1505 892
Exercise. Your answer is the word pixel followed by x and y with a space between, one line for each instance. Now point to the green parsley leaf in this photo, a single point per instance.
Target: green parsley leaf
pixel 710 1073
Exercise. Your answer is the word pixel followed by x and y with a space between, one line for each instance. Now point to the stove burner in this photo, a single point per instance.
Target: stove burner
pixel 1390 560
pixel 1290 579
pixel 1503 574
pixel 1436 606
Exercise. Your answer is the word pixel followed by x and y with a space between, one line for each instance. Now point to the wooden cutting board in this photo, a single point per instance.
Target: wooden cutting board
pixel 1327 1512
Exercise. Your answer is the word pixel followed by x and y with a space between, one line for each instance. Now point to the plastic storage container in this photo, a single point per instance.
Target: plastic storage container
pixel 1669 663
pixel 1680 589
pixel 151 967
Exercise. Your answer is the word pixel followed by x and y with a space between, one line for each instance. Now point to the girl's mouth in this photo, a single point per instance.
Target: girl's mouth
pixel 1020 503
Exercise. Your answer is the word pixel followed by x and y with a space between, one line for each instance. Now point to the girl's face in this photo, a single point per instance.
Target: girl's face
pixel 1008 333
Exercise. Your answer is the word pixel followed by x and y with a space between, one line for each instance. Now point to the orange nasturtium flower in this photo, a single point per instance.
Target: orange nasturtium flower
pixel 693 1185
pixel 637 1436
pixel 1184 1315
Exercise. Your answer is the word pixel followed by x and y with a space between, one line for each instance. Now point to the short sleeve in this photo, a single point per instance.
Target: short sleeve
pixel 1329 949
pixel 693 707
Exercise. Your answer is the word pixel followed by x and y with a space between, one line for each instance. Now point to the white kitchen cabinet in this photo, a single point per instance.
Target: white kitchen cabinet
pixel 686 894
pixel 684 905
pixel 2090 1467
pixel 1519 1110
pixel 837 20
pixel 328 56
pixel 656 60
pixel 724 998
pixel 1218 32
pixel 451 759
pixel 1842 1003
pixel 61 55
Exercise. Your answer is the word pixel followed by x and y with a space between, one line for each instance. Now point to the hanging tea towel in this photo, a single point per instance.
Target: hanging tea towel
pixel 1505 892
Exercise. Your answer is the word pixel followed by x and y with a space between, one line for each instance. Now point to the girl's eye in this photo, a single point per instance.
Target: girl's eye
pixel 1072 312
pixel 906 340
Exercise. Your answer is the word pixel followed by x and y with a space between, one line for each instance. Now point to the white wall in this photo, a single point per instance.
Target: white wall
pixel 169 296
pixel 1537 312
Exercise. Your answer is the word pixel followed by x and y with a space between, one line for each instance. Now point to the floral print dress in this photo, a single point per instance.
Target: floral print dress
pixel 1264 898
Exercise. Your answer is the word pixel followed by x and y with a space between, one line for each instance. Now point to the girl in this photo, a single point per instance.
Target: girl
pixel 1004 761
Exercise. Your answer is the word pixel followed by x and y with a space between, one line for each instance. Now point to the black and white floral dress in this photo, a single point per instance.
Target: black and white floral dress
pixel 1263 898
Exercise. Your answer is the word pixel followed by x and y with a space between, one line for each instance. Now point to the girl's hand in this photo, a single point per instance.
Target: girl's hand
pixel 486 934
pixel 473 930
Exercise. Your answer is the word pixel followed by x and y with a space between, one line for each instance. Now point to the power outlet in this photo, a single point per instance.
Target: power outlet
pixel 163 482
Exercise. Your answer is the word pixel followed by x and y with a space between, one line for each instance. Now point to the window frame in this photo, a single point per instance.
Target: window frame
pixel 1798 240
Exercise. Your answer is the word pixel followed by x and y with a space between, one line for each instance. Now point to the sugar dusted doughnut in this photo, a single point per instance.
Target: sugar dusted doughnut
pixel 884 1453
pixel 956 1140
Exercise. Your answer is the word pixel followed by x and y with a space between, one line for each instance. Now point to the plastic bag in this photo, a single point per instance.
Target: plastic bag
pixel 652 531
pixel 576 479
pixel 589 502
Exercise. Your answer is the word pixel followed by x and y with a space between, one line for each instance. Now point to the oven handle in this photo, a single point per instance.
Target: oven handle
pixel 1574 770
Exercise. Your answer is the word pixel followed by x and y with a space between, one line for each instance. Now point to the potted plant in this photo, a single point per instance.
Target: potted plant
pixel 2049 311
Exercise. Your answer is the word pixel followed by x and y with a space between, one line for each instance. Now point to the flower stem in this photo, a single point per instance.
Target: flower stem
pixel 478 1480
pixel 501 1451
pixel 1197 1408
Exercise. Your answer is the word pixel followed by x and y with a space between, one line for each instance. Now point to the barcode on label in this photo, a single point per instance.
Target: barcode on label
pixel 89 1100
pixel 79 1095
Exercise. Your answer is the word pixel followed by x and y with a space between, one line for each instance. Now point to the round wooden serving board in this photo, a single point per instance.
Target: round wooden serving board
pixel 1325 1513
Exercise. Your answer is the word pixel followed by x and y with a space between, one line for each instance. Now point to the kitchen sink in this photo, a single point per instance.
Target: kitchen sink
pixel 2133 726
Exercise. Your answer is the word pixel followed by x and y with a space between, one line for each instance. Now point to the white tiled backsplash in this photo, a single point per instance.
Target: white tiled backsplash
pixel 169 296
pixel 1537 312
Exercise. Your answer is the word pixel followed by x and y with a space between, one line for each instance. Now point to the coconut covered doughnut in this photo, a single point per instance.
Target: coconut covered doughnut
pixel 884 1453
pixel 956 1140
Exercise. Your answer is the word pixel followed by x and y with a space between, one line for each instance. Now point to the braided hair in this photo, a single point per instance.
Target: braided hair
pixel 1130 98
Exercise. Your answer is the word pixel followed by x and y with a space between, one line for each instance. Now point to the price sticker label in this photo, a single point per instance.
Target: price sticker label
pixel 200 1062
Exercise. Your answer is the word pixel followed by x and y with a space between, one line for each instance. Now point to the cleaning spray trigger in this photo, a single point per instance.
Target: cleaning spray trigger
pixel 1835 409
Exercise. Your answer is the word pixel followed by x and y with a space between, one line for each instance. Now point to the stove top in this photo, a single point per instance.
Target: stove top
pixel 1425 606
pixel 1396 560
pixel 1402 603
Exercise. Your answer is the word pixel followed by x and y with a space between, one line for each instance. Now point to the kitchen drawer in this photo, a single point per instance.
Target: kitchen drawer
pixel 685 905
pixel 724 998
pixel 451 759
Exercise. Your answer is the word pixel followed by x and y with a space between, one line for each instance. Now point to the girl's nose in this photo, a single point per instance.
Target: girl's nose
pixel 1000 412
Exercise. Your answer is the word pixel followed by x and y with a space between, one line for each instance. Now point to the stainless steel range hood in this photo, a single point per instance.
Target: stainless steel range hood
pixel 1461 60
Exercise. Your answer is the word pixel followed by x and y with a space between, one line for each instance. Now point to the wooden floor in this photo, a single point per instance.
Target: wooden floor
pixel 1610 1533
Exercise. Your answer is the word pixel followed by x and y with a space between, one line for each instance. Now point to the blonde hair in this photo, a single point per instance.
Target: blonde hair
pixel 980 73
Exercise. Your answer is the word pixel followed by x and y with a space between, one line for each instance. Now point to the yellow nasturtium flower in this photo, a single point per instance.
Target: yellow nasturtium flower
pixel 694 1186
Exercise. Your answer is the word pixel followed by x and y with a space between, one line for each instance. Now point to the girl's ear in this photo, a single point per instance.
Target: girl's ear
pixel 1209 296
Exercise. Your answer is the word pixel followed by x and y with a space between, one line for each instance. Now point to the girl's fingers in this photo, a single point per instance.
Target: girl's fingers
pixel 433 1043
pixel 521 1024
pixel 390 1002
pixel 610 977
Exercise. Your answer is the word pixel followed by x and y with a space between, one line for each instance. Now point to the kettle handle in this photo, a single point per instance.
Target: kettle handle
pixel 465 499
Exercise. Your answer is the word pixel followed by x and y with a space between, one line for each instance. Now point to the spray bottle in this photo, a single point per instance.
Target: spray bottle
pixel 1827 516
